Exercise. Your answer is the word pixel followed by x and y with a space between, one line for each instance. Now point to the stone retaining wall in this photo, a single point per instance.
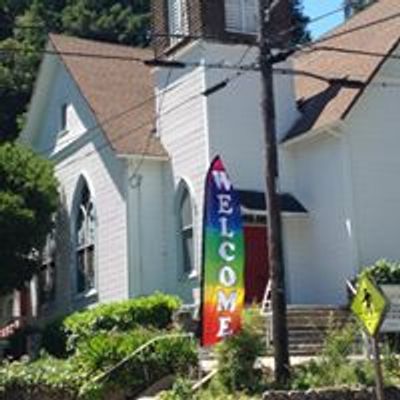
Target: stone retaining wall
pixel 43 393
pixel 331 394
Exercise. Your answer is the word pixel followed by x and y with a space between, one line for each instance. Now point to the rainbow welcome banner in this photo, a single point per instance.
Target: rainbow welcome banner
pixel 223 258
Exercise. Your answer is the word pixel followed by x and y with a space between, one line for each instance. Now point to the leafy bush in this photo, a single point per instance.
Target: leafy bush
pixel 65 376
pixel 54 338
pixel 75 376
pixel 152 311
pixel 335 368
pixel 384 272
pixel 237 356
pixel 181 390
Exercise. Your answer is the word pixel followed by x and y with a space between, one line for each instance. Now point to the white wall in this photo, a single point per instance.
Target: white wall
pixel 235 118
pixel 195 128
pixel 374 135
pixel 183 132
pixel 320 247
pixel 151 237
pixel 75 153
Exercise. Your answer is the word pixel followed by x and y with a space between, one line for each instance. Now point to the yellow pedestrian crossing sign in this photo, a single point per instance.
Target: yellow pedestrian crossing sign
pixel 369 305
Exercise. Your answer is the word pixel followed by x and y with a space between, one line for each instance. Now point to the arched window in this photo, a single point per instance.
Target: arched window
pixel 186 228
pixel 85 232
pixel 47 275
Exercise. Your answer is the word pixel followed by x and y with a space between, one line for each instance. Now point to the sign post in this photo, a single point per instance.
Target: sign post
pixel 370 306
pixel 222 299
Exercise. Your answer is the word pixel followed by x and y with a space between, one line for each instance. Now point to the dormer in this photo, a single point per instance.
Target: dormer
pixel 177 22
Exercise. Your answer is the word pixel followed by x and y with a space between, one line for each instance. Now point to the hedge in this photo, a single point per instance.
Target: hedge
pixel 61 337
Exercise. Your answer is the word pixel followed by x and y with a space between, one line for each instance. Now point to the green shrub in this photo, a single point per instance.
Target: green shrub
pixel 181 390
pixel 76 374
pixel 171 355
pixel 54 338
pixel 237 355
pixel 384 272
pixel 152 311
pixel 335 368
pixel 62 375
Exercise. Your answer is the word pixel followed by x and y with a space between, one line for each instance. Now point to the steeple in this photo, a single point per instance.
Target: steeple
pixel 177 22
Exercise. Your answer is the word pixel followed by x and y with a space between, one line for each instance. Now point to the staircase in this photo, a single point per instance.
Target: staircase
pixel 308 327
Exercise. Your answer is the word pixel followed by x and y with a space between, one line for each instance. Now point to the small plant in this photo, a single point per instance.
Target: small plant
pixel 333 367
pixel 181 390
pixel 54 338
pixel 237 356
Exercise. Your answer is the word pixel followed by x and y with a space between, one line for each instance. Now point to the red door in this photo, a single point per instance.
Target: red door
pixel 257 269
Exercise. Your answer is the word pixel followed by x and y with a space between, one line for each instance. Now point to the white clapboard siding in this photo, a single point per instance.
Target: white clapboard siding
pixel 75 154
pixel 183 133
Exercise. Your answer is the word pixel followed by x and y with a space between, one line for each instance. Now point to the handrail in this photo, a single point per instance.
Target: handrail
pixel 139 350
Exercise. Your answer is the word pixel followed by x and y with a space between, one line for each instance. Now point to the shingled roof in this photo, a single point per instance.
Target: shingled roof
pixel 322 104
pixel 111 86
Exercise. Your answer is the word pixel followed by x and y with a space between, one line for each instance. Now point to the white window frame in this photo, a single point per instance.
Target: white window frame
pixel 180 26
pixel 48 272
pixel 85 232
pixel 187 270
pixel 243 28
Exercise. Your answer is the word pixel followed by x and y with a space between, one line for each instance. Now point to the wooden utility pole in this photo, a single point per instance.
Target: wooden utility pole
pixel 274 233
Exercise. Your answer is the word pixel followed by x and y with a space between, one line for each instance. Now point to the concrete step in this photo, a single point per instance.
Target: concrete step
pixel 309 326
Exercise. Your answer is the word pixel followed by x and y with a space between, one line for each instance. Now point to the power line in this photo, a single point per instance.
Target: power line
pixel 101 124
pixel 143 155
pixel 175 64
pixel 355 51
pixel 152 121
pixel 197 37
pixel 311 21
pixel 346 32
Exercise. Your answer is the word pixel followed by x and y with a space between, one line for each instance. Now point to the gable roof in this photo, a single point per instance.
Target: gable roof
pixel 322 104
pixel 111 87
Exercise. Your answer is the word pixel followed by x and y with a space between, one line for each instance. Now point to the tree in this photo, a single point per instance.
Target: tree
pixel 354 6
pixel 121 21
pixel 28 201
pixel 117 21
pixel 299 21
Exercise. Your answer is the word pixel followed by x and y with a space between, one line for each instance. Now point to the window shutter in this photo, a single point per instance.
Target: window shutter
pixel 178 19
pixel 251 16
pixel 173 16
pixel 233 15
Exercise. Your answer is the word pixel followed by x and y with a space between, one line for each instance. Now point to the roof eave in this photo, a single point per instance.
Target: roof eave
pixel 334 128
pixel 136 156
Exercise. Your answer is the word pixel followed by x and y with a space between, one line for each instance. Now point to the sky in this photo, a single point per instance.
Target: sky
pixel 315 8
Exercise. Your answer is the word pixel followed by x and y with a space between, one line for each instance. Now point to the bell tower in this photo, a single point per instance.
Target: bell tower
pixel 177 22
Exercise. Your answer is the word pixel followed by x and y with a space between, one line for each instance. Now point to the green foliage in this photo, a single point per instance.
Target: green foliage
pixel 62 375
pixel 384 272
pixel 335 368
pixel 125 22
pixel 119 21
pixel 54 338
pixel 181 390
pixel 28 199
pixel 75 375
pixel 150 311
pixel 237 355
pixel 299 20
